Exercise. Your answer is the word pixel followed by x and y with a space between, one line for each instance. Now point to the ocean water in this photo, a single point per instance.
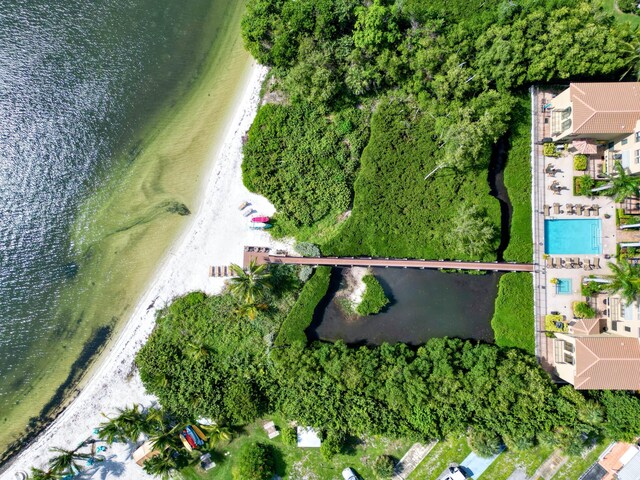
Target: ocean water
pixel 85 89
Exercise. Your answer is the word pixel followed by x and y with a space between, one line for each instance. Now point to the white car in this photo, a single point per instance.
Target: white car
pixel 455 473
pixel 349 474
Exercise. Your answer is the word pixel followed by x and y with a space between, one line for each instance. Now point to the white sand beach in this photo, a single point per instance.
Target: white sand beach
pixel 215 235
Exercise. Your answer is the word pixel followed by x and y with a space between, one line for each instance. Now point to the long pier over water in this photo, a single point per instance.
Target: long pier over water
pixel 263 255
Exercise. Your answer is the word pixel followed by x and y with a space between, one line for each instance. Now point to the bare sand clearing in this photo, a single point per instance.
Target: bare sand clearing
pixel 216 236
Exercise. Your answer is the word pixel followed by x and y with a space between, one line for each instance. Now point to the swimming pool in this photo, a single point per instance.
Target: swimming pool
pixel 580 236
pixel 564 286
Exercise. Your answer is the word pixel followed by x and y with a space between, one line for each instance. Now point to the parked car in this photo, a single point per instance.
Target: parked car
pixel 349 474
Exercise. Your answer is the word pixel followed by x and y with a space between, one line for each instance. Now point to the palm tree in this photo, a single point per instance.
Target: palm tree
pixel 197 350
pixel 128 425
pixel 216 433
pixel 621 185
pixel 251 285
pixel 631 50
pixel 625 280
pixel 250 310
pixel 66 462
pixel 162 464
pixel 37 474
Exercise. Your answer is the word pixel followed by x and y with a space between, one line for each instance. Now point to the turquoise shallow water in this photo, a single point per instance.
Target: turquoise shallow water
pixel 573 236
pixel 79 81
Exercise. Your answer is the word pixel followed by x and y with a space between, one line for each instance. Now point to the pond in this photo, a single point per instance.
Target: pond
pixel 424 304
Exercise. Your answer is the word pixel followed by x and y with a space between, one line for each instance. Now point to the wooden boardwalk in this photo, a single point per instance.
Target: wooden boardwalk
pixel 263 255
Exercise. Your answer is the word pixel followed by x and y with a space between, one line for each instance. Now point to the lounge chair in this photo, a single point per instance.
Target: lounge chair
pixel 550 263
pixel 586 264
pixel 596 209
pixel 556 209
pixel 587 212
pixel 579 208
pixel 570 209
pixel 547 210
pixel 596 263
pixel 563 262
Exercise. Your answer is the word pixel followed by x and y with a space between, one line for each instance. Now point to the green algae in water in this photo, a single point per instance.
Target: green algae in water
pixel 94 199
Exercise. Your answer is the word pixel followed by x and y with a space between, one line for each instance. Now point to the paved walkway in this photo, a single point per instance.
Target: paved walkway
pixel 411 460
pixel 550 466
pixel 262 255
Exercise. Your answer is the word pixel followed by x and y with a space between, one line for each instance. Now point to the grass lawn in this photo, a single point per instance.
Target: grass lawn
pixel 453 449
pixel 576 466
pixel 517 179
pixel 513 321
pixel 295 463
pixel 506 463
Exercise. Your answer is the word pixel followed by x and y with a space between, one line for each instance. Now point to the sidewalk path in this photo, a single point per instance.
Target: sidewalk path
pixel 411 460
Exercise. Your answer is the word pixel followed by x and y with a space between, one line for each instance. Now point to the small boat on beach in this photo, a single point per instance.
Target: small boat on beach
pixel 185 443
pixel 198 432
pixel 260 226
pixel 260 219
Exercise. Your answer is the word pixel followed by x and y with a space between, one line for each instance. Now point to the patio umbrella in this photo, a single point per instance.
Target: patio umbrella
pixel 585 147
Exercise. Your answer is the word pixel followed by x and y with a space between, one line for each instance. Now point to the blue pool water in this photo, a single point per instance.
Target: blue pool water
pixel 573 237
pixel 563 285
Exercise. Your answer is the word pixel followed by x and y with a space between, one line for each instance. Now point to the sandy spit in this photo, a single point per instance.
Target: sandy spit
pixel 216 235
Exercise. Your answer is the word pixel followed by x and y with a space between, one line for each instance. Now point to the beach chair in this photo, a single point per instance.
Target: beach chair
pixel 549 262
pixel 562 262
pixel 556 209
pixel 547 210
pixel 219 271
pixel 587 212
pixel 579 208
pixel 570 209
pixel 596 263
pixel 596 209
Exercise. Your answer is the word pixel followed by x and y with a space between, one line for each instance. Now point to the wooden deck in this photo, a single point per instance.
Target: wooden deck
pixel 262 255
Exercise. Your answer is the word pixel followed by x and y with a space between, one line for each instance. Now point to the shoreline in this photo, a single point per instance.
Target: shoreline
pixel 184 268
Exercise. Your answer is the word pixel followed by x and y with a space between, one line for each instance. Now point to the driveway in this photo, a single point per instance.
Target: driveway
pixel 474 466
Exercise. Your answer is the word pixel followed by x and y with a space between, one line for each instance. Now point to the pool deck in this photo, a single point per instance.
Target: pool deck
pixel 546 299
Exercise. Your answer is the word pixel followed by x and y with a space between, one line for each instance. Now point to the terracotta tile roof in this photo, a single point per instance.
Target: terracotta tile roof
pixel 612 107
pixel 586 326
pixel 612 459
pixel 607 362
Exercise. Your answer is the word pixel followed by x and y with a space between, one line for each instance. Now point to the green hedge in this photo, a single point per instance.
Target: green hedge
pixel 580 162
pixel 513 320
pixel 301 315
pixel 517 179
pixel 373 299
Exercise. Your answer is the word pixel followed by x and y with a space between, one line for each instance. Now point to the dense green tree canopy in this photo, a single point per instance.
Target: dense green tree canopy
pixel 446 386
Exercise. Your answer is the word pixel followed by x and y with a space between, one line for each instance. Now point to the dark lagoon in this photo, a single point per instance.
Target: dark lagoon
pixel 424 304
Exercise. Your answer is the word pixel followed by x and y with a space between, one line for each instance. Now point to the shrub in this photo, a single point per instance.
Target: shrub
pixel 307 249
pixel 583 185
pixel 373 299
pixel 484 442
pixel 331 444
pixel 513 320
pixel 549 150
pixel 551 321
pixel 255 461
pixel 383 466
pixel 590 289
pixel 300 316
pixel 289 436
pixel 583 310
pixel 628 6
pixel 305 272
pixel 580 162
